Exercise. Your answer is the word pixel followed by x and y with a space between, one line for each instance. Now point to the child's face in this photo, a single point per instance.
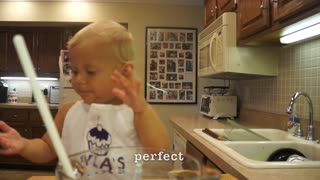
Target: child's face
pixel 92 70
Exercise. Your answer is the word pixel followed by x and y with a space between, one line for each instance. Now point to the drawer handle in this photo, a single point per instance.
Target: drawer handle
pixel 15 116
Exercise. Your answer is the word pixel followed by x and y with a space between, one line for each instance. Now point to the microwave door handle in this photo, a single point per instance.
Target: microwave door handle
pixel 211 58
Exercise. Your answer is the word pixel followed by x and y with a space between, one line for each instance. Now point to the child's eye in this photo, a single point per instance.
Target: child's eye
pixel 74 72
pixel 90 72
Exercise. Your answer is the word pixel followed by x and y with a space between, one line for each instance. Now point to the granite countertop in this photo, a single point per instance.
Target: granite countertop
pixel 25 105
pixel 185 125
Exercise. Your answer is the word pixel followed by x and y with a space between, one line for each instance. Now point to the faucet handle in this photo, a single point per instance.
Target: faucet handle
pixel 298 132
pixel 309 136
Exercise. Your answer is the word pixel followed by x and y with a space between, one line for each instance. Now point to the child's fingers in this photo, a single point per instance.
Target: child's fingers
pixel 3 145
pixel 4 127
pixel 128 72
pixel 137 86
pixel 118 93
pixel 121 81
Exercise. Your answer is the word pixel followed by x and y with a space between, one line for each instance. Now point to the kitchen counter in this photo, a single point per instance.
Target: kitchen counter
pixel 26 105
pixel 223 177
pixel 185 125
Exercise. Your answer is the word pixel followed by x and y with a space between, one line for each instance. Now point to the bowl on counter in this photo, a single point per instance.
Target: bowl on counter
pixel 135 163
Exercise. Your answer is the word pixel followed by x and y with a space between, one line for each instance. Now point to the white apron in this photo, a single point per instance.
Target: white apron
pixel 96 128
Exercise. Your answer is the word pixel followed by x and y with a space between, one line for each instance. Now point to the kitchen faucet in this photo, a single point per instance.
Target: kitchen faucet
pixel 309 136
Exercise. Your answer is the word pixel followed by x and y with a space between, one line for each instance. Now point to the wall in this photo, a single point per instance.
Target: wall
pixel 299 70
pixel 138 16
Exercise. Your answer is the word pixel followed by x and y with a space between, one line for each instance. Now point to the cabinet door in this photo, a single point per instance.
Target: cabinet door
pixel 69 33
pixel 50 42
pixel 253 16
pixel 37 126
pixel 37 132
pixel 283 9
pixel 225 6
pixel 3 52
pixel 13 64
pixel 35 117
pixel 17 119
pixel 179 142
pixel 193 151
pixel 210 11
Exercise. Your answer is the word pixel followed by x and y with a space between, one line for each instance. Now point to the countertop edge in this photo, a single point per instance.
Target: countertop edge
pixel 25 106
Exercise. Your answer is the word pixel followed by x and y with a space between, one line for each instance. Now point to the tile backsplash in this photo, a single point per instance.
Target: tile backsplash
pixel 299 70
pixel 24 90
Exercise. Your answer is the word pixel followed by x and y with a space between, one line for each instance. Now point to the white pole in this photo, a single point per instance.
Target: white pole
pixel 28 68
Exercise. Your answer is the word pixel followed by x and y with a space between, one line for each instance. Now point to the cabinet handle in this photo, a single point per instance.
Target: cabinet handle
pixel 262 5
pixel 213 12
pixel 274 1
pixel 15 116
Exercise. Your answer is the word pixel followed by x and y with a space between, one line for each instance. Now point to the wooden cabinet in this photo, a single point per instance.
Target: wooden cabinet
pixel 226 6
pixel 13 67
pixel 262 20
pixel 197 154
pixel 210 11
pixel 44 45
pixel 215 8
pixel 29 124
pixel 253 16
pixel 194 152
pixel 3 51
pixel 50 41
pixel 284 9
pixel 179 142
pixel 17 118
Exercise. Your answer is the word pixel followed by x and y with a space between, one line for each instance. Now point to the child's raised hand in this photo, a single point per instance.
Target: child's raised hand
pixel 11 141
pixel 127 89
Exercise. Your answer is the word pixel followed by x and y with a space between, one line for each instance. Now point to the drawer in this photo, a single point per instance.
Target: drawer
pixel 16 116
pixel 36 119
pixel 37 132
pixel 23 131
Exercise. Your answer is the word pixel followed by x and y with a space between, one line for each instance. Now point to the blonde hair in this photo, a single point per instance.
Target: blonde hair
pixel 111 34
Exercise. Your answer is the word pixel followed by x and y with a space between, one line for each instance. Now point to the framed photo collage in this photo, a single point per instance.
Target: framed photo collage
pixel 171 65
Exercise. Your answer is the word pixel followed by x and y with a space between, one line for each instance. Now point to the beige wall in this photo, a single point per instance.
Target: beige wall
pixel 137 16
pixel 299 70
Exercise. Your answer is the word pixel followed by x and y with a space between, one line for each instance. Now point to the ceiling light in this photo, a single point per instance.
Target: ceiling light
pixel 307 28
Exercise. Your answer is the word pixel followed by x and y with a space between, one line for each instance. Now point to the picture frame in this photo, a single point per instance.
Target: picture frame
pixel 171 65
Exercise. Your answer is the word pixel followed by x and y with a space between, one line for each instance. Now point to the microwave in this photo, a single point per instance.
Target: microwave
pixel 218 106
pixel 220 57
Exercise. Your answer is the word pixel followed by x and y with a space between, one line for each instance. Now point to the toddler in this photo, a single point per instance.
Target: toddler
pixel 112 111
